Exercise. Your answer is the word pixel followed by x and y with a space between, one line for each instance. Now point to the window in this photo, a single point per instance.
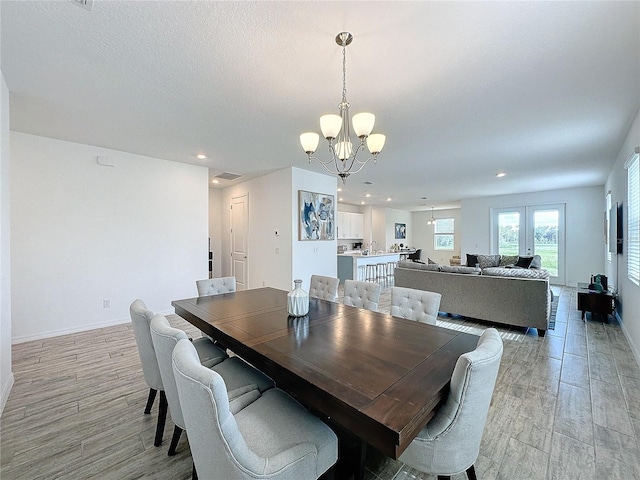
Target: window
pixel 443 234
pixel 633 219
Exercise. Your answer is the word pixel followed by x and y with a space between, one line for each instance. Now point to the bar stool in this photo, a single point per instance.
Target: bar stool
pixel 381 271
pixel 370 272
pixel 361 273
pixel 391 266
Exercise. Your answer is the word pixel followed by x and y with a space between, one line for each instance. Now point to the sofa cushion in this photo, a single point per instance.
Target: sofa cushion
pixel 460 269
pixel 434 267
pixel 472 260
pixel 506 260
pixel 486 261
pixel 524 262
pixel 515 272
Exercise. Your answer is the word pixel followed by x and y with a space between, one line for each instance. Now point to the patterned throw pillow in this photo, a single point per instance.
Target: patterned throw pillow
pixel 486 261
pixel 508 260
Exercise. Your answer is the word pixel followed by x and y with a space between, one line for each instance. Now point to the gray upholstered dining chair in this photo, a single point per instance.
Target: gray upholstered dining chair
pixel 415 304
pixel 323 287
pixel 216 286
pixel 141 319
pixel 239 375
pixel 272 436
pixel 449 444
pixel 362 294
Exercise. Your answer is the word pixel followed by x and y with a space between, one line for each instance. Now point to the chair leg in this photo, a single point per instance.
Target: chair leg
pixel 162 417
pixel 177 431
pixel 194 474
pixel 471 473
pixel 150 399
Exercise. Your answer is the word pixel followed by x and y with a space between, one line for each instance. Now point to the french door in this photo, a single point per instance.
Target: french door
pixel 532 230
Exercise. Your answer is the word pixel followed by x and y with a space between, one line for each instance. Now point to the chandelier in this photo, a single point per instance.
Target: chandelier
pixel 431 221
pixel 343 159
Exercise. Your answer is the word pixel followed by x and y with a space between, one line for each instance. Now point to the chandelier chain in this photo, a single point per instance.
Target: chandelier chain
pixel 344 74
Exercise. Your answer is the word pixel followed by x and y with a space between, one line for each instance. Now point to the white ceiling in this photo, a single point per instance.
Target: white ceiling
pixel 545 91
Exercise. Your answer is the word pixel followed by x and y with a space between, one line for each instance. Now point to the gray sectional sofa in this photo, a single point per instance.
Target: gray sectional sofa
pixel 512 296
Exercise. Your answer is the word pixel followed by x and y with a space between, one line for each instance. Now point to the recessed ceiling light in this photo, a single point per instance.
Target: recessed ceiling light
pixel 500 175
pixel 424 198
pixel 367 195
pixel 339 189
pixel 389 199
pixel 362 203
pixel 201 156
pixel 215 180
pixel 340 199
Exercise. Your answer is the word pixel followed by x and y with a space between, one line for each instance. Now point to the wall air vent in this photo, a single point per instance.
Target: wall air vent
pixel 86 4
pixel 227 176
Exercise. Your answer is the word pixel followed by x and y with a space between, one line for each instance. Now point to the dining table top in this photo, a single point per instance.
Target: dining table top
pixel 377 376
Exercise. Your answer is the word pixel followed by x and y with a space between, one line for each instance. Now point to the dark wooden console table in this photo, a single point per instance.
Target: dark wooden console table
pixel 595 302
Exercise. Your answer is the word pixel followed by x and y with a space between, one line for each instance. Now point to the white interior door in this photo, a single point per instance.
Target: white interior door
pixel 239 244
pixel 533 230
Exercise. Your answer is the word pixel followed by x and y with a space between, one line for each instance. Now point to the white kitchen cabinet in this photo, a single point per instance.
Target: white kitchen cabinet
pixel 350 225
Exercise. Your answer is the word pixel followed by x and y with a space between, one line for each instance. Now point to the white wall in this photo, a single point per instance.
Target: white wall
pixel 82 232
pixel 423 234
pixel 215 229
pixel 312 257
pixel 269 210
pixel 6 374
pixel 383 222
pixel 273 206
pixel 584 226
pixel 629 293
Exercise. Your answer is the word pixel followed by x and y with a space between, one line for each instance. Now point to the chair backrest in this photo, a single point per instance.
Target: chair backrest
pixel 362 294
pixel 325 288
pixel 165 338
pixel 456 429
pixel 141 318
pixel 415 304
pixel 216 286
pixel 416 255
pixel 217 446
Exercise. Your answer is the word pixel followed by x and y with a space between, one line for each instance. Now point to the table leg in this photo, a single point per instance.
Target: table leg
pixel 583 314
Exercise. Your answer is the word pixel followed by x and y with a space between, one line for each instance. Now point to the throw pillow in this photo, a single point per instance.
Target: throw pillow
pixel 472 260
pixel 486 261
pixel 430 262
pixel 536 262
pixel 524 262
pixel 507 260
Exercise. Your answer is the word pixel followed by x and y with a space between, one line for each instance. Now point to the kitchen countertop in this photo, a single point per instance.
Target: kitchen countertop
pixel 370 255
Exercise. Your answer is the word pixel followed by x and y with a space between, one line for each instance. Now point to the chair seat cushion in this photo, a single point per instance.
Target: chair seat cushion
pixel 276 422
pixel 237 373
pixel 208 352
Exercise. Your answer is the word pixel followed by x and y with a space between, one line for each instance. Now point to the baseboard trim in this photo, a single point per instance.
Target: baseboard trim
pixel 634 349
pixel 6 390
pixel 76 329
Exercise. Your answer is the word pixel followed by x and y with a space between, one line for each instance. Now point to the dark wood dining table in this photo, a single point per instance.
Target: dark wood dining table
pixel 379 377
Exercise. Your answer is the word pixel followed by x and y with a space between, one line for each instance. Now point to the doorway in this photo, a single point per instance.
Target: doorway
pixel 532 230
pixel 239 243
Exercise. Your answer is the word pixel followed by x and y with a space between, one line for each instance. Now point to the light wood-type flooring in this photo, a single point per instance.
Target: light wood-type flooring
pixel 566 406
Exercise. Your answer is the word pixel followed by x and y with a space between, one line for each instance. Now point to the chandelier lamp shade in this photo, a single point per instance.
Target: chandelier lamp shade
pixel 336 129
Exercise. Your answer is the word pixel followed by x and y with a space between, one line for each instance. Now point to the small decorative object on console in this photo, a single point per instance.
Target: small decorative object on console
pixel 298 300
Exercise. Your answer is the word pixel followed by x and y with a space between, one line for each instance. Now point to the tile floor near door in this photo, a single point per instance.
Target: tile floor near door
pixel 566 406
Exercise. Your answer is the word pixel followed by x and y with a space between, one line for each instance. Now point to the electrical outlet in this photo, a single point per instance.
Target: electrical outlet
pixel 106 303
pixel 315 249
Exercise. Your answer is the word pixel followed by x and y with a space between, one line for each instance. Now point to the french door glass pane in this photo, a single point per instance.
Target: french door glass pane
pixel 546 238
pixel 508 233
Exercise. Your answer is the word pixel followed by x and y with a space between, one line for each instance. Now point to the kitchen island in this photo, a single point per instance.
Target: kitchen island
pixel 351 266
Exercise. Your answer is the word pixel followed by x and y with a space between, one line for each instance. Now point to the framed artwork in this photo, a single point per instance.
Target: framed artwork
pixel 401 230
pixel 316 216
